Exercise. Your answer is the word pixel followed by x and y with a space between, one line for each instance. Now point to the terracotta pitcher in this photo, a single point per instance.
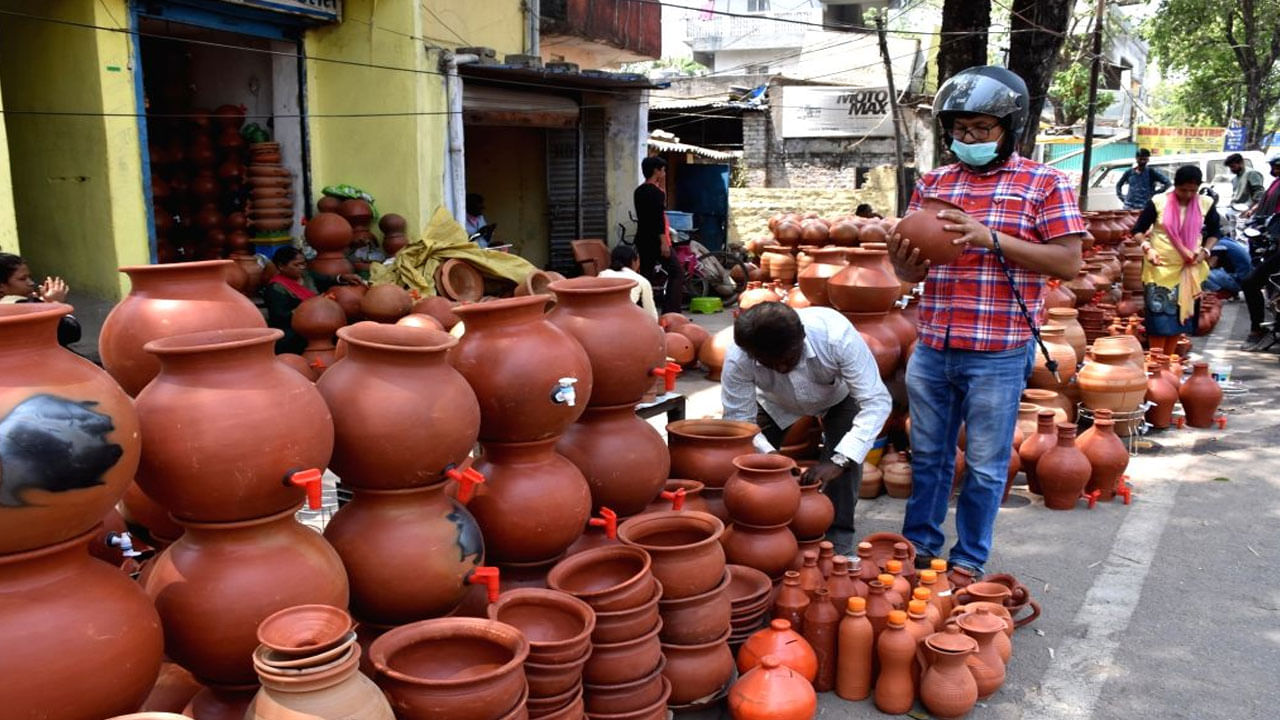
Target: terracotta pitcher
pixel 704 450
pixel 1063 471
pixel 947 687
pixel 764 490
pixel 1200 396
pixel 622 457
pixel 985 664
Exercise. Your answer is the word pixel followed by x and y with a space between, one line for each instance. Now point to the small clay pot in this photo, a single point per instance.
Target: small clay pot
pixel 622 662
pixel 704 450
pixel 923 228
pixel 613 577
pixel 654 711
pixel 385 303
pixel 558 626
pixel 693 499
pixel 698 671
pixel 557 708
pixel 815 514
pixel 458 280
pixel 626 697
pixel 614 626
pixel 767 549
pixel 698 618
pixel 764 490
pixel 684 547
pixel 305 629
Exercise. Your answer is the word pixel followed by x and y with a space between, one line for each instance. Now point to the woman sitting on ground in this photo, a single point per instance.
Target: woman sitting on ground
pixel 624 261
pixel 17 286
pixel 293 283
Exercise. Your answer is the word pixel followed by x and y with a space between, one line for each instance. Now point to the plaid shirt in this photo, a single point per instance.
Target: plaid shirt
pixel 967 304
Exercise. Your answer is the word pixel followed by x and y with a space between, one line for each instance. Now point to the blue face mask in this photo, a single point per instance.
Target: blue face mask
pixel 975 154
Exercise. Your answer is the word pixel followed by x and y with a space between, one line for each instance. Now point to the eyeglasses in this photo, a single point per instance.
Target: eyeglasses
pixel 980 133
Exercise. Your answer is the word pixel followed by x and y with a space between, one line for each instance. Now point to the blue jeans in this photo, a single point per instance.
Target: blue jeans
pixel 1219 278
pixel 982 389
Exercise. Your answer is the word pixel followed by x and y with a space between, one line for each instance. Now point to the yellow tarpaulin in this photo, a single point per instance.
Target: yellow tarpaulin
pixel 415 266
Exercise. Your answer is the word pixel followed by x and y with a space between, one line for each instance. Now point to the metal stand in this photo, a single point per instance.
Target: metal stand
pixel 1129 425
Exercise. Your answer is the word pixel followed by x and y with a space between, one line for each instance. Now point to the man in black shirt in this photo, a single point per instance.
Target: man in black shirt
pixel 653 239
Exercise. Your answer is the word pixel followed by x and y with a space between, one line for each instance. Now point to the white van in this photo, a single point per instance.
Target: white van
pixel 1103 178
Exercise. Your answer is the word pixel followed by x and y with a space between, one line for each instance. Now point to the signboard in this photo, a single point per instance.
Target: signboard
pixel 1178 140
pixel 829 111
pixel 1234 139
pixel 326 10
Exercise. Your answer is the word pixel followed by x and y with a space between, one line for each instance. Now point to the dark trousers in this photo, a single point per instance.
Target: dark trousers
pixel 1253 286
pixel 843 491
pixel 669 289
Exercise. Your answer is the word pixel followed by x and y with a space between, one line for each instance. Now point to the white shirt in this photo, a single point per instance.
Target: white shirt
pixel 836 364
pixel 643 291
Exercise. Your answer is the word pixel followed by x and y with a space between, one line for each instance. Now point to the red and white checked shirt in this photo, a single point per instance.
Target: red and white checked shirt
pixel 967 304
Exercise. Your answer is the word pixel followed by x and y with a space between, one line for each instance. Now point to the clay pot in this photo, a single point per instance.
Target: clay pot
pixel 1108 380
pixel 1163 396
pixel 219 581
pixel 458 280
pixel 59 603
pixel 625 661
pixel 622 340
pixel 451 668
pixel 330 234
pixel 558 626
pixel 1062 471
pixel 439 308
pixel 763 491
pixel 784 644
pixel 704 450
pixel 533 504
pixel 865 285
pixel 684 547
pixel 698 671
pixel 335 689
pixel 622 457
pixel 712 353
pixel 295 635
pixel 670 499
pixel 1200 396
pixel 385 303
pixel 402 414
pixel 552 685
pixel 71 435
pixel 897 477
pixel 1107 457
pixel 772 691
pixel 168 300
pixel 1054 337
pixel 1073 332
pixel 697 618
pixel 515 360
pixel 680 348
pixel 625 699
pixel 349 297
pixel 987 668
pixel 947 688
pixel 813 280
pixel 816 512
pixel 1036 445
pixel 613 577
pixel 173 690
pixel 767 549
pixel 923 228
pixel 617 626
pixel 1062 407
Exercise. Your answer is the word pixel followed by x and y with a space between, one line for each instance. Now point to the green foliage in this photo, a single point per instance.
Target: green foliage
pixel 1070 94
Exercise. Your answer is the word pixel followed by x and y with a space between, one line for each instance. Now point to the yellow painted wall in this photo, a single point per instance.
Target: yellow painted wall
pixel 508 166
pixel 498 24
pixel 8 222
pixel 77 179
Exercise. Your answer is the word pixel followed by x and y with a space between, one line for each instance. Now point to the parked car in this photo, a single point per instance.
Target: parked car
pixel 1103 178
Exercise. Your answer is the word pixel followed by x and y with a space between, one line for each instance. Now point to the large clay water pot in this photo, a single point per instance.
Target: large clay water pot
pixel 925 230
pixel 409 554
pixel 533 504
pixel 767 549
pixel 81 640
pixel 864 285
pixel 202 460
pixel 704 450
pixel 401 414
pixel 813 280
pixel 1036 445
pixel 219 581
pixel 1108 380
pixel 168 300
pixel 1107 455
pixel 1200 396
pixel 1073 331
pixel 764 490
pixel 622 457
pixel 1055 340
pixel 532 378
pixel 69 439
pixel 1063 471
pixel 880 337
pixel 684 546
pixel 622 340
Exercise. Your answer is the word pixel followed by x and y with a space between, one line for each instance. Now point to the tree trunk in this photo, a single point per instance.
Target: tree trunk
pixel 964 44
pixel 1039 30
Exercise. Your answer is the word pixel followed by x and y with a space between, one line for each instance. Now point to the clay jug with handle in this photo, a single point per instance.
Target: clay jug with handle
pixel 947 687
pixel 985 664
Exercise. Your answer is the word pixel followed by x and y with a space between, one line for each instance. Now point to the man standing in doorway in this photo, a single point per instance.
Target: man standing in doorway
pixel 653 237
pixel 1020 223
pixel 1144 183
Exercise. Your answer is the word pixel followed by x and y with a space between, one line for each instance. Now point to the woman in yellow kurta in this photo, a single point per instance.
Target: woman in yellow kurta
pixel 1184 226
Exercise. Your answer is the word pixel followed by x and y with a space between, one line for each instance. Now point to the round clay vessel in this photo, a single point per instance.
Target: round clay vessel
pixel 211 589
pixel 865 285
pixel 697 618
pixel 680 348
pixel 684 547
pixel 70 434
pixel 1200 396
pixel 1108 457
pixel 439 308
pixel 985 664
pixel 622 340
pixel 557 625
pixel 167 300
pixel 704 450
pixel 772 690
pixel 815 514
pixel 923 228
pixel 228 469
pixel 612 577
pixel 332 690
pixel 56 603
pixel 451 668
pixel 305 629
pixel 698 671
pixel 1054 337
pixel 615 626
pixel 764 490
pixel 625 661
pixel 627 697
pixel 623 458
pixel 1062 471
pixel 783 643
pixel 1162 395
pixel 533 504
pixel 409 554
pixel 1108 380
pixel 712 352
pixel 1036 445
pixel 515 361
pixel 402 414
pixel 552 684
pixel 385 303
pixel 767 549
pixel 813 280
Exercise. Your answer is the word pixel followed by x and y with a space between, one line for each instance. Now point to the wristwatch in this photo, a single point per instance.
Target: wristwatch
pixel 840 461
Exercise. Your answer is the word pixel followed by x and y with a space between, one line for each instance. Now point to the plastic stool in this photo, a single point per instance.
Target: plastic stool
pixel 706 305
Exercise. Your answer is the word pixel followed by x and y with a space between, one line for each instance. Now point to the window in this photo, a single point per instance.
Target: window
pixel 757 69
pixel 757 5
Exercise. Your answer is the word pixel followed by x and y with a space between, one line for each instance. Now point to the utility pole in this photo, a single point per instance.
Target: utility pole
pixel 1099 20
pixel 900 200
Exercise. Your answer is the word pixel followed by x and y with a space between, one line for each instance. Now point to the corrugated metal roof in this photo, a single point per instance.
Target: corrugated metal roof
pixel 664 146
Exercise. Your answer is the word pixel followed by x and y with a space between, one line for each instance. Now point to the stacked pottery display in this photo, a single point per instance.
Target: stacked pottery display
pixel 623 458
pixel 330 234
pixel 689 564
pixel 269 212
pixel 404 424
pixel 234 487
pixel 81 640
pixel 704 450
pixel 532 380
pixel 751 594
pixel 558 628
pixel 762 497
pixel 625 671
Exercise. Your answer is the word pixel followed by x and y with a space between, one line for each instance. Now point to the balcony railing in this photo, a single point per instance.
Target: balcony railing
pixel 623 24
pixel 761 31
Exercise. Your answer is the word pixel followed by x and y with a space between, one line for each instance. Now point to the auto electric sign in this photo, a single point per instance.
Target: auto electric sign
pixel 835 111
pixel 325 10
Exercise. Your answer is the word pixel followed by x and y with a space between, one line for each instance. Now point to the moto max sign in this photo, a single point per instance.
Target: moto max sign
pixel 835 111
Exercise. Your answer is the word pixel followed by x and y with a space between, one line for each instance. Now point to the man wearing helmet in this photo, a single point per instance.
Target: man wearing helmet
pixel 1020 223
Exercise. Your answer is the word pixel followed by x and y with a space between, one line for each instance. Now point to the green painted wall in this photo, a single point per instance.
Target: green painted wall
pixel 77 188
pixel 508 166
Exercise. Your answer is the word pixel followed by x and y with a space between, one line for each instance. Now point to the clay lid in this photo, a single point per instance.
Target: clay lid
pixel 980 621
pixel 940 565
pixel 460 280
pixel 305 629
pixel 780 625
pixel 897 617
pixel 857 604
pixel 951 640
pixel 928 577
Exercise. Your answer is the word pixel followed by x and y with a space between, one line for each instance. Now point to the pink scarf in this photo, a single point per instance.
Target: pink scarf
pixel 299 290
pixel 1184 231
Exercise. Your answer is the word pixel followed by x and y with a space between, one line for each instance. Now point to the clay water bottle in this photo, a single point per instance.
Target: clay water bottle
pixel 902 553
pixel 792 601
pixel 878 606
pixel 826 558
pixel 821 626
pixel 900 584
pixel 891 593
pixel 896 651
pixel 854 652
pixel 942 586
pixel 867 568
pixel 923 593
pixel 811 578
pixel 840 586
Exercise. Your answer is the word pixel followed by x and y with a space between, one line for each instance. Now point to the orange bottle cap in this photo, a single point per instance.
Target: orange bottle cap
pixel 917 607
pixel 897 617
pixel 922 594
pixel 857 604
pixel 885 579
pixel 928 577
pixel 893 566
pixel 938 564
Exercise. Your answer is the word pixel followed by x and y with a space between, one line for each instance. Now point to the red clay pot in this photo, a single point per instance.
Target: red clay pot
pixel 608 578
pixel 557 625
pixel 385 303
pixel 782 642
pixel 697 618
pixel 815 514
pixel 764 490
pixel 439 308
pixel 767 549
pixel 772 691
pixel 626 661
pixel 1200 396
pixel 923 228
pixel 1063 471
pixel 627 698
pixel 348 296
pixel 865 285
pixel 1107 457
pixel 698 671
pixel 623 458
pixel 1110 380
pixel 684 547
pixel 691 500
pixel 704 450
pixel 616 626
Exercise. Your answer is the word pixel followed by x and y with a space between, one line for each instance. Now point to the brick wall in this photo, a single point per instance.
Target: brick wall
pixel 751 207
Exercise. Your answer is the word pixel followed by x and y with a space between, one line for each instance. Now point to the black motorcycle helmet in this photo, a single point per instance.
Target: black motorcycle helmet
pixel 985 90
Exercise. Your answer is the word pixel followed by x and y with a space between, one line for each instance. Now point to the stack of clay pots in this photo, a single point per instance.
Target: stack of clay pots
pixel 330 234
pixel 751 595
pixel 865 291
pixel 695 609
pixel 623 458
pixel 234 487
pixel 624 675
pixel 762 497
pixel 703 450
pixel 558 627
pixel 404 424
pixel 81 639
pixel 270 209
